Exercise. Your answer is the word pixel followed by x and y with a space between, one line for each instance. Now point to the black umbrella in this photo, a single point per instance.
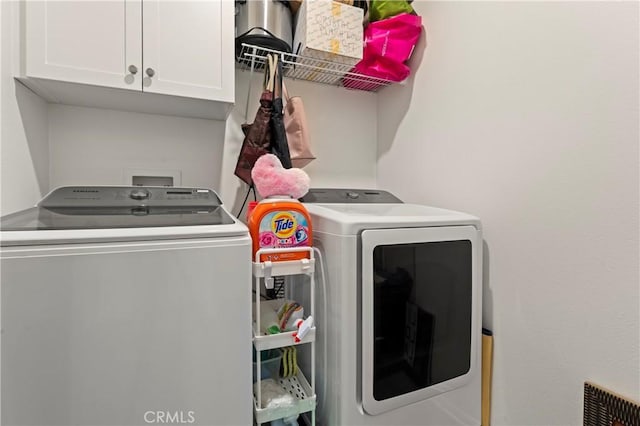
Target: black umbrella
pixel 279 144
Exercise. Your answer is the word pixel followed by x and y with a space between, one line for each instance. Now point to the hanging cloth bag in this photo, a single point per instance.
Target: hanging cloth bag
pixel 295 124
pixel 257 136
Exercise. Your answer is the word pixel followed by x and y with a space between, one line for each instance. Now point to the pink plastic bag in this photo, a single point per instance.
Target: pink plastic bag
pixel 387 45
pixel 393 38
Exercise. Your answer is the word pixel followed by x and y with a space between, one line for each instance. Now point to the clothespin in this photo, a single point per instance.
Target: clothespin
pixel 268 279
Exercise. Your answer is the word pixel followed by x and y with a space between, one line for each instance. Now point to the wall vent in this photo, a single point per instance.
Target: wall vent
pixel 605 408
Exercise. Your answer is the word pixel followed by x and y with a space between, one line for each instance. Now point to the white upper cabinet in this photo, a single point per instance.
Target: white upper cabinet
pixel 171 57
pixel 84 41
pixel 183 42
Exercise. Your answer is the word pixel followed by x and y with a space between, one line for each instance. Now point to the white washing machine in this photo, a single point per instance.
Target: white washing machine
pixel 125 306
pixel 399 321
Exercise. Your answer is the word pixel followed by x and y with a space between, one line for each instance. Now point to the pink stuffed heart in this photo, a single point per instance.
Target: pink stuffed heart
pixel 271 178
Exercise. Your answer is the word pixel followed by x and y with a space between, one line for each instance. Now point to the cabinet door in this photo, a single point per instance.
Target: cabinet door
pixel 188 48
pixel 89 42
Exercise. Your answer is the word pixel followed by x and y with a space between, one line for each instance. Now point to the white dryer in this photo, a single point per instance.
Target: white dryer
pixel 125 306
pixel 399 322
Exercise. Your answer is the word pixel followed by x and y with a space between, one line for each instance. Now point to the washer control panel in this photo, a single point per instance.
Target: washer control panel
pixel 139 194
pixel 129 196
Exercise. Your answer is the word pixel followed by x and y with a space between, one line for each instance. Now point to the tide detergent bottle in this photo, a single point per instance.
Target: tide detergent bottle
pixel 280 221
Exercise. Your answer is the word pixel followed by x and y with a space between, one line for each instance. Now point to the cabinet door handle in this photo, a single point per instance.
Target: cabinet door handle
pixel 150 72
pixel 133 69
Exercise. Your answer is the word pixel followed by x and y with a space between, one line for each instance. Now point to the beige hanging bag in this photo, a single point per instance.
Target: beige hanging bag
pixel 297 128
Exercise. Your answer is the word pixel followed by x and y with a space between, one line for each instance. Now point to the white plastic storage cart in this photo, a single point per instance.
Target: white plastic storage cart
pixel 298 386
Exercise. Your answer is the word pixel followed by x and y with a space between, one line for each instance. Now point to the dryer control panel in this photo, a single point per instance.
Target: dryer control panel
pixel 349 196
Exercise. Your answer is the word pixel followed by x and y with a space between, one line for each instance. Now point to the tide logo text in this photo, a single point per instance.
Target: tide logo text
pixel 283 225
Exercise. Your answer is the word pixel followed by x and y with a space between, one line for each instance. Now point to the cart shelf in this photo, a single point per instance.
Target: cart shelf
pixel 288 267
pixel 263 342
pixel 299 388
pixel 280 340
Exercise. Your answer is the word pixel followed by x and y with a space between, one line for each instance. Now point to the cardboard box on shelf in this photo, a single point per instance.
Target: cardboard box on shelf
pixel 329 30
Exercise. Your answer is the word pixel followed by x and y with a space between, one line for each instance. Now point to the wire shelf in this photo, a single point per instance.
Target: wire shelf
pixel 311 69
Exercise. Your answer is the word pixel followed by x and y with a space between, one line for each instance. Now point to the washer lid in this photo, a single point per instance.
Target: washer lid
pixel 120 213
pixel 351 219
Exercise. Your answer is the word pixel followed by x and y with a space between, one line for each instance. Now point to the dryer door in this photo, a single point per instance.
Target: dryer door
pixel 421 313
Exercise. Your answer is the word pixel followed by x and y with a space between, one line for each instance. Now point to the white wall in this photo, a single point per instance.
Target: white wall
pixel 91 146
pixel 526 114
pixel 24 153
